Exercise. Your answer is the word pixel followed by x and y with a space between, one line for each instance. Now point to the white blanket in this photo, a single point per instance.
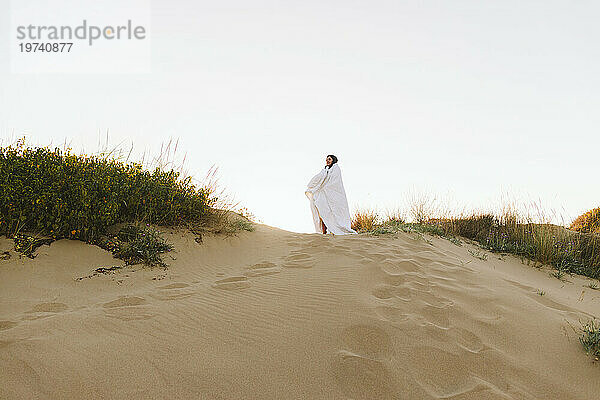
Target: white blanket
pixel 327 197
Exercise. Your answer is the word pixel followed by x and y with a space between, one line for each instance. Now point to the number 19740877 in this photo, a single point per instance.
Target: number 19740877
pixel 36 47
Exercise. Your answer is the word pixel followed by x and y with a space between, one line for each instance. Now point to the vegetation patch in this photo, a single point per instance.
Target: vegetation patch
pixel 55 194
pixel 566 250
pixel 137 244
pixel 478 254
pixel 28 244
pixel 370 222
pixel 61 195
pixel 558 274
pixel 242 225
pixel 590 338
pixel 365 220
pixel 101 271
pixel 588 222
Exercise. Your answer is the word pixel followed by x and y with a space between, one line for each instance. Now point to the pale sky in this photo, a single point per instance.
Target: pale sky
pixel 468 99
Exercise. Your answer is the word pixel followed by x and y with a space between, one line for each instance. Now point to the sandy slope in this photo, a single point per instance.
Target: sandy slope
pixel 279 315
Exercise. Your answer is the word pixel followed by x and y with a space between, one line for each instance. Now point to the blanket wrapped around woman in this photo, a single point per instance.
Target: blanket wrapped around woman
pixel 328 202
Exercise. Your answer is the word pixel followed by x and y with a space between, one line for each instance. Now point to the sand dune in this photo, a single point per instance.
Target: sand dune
pixel 272 314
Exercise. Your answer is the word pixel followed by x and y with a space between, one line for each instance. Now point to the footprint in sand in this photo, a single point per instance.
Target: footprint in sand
pixel 172 296
pixel 424 280
pixel 176 285
pixel 418 286
pixel 125 301
pixel 449 267
pixel 357 370
pixel 299 259
pixel 441 373
pixel 394 279
pixel 362 378
pixel 384 292
pixel 129 313
pixel 262 268
pixel 433 300
pixel 48 307
pixel 466 339
pixel 367 340
pixel 401 266
pixel 7 325
pixel 392 314
pixel 232 283
pixel 44 310
pixel 125 308
pixel 377 257
pixel 439 317
pixel 172 292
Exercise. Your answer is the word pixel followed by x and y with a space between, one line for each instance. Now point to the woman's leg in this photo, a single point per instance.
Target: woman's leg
pixel 323 227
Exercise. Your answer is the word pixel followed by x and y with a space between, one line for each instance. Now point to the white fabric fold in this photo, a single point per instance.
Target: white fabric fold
pixel 327 198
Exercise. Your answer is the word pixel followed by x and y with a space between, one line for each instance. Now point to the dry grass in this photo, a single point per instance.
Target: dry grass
pixel 395 215
pixel 422 205
pixel 520 229
pixel 544 243
pixel 364 220
pixel 588 222
pixel 225 214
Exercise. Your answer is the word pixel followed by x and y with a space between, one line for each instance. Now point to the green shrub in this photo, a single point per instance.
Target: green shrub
pixel 62 195
pixel 137 244
pixel 243 225
pixel 590 338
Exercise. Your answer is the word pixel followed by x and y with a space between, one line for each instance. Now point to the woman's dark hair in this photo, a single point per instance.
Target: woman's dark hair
pixel 334 158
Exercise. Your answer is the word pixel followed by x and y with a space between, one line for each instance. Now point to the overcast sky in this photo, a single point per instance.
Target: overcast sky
pixel 466 99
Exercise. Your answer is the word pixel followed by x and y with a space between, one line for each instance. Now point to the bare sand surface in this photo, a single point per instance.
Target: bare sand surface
pixel 273 314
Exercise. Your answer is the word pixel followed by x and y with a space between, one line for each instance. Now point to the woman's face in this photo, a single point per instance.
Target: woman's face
pixel 329 160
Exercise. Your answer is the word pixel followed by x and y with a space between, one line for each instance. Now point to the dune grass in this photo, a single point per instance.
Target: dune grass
pixel 49 194
pixel 381 226
pixel 566 250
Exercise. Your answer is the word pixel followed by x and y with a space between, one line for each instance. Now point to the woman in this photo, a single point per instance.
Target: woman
pixel 328 202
